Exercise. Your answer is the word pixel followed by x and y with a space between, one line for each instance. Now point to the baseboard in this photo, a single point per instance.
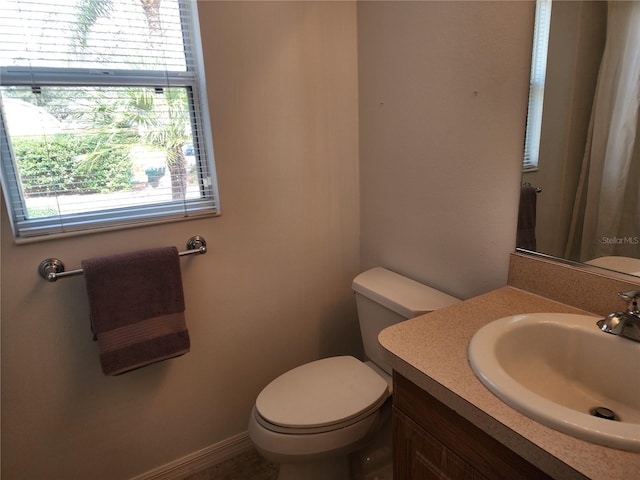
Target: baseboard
pixel 200 460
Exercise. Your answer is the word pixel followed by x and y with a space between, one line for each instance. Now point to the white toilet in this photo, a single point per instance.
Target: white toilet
pixel 311 418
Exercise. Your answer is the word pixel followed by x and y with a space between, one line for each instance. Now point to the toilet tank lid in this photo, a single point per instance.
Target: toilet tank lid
pixel 400 294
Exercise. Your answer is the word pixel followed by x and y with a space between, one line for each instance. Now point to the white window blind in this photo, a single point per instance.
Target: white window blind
pixel 536 86
pixel 104 121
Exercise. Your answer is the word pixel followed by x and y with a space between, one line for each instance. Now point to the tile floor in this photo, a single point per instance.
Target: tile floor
pixel 246 466
pixel 373 464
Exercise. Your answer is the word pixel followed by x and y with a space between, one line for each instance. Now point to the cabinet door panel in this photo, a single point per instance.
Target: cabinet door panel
pixel 424 457
pixel 457 435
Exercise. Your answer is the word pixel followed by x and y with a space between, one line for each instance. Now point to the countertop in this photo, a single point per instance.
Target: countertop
pixel 431 351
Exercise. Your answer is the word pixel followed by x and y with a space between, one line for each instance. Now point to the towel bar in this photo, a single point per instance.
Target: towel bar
pixel 52 269
pixel 527 184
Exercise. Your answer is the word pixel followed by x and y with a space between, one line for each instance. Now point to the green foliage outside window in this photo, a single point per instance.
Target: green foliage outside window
pixel 70 164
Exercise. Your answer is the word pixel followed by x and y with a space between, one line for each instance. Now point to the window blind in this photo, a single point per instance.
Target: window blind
pixel 101 34
pixel 536 85
pixel 104 119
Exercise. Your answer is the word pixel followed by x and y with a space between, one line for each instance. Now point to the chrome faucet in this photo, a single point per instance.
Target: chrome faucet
pixel 626 324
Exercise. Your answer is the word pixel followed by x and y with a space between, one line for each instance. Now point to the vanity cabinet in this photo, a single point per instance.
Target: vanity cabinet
pixel 432 441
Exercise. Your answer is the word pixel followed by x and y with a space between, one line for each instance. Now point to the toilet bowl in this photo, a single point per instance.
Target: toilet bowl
pixel 311 418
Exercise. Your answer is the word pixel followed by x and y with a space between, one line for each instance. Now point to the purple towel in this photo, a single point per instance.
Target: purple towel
pixel 526 233
pixel 137 308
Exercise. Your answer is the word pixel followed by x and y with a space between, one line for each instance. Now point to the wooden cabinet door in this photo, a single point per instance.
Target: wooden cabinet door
pixel 431 441
pixel 420 456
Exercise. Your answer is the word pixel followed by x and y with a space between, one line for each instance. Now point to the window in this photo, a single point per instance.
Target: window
pixel 536 86
pixel 104 121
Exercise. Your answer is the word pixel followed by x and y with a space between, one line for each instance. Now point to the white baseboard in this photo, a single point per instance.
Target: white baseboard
pixel 200 460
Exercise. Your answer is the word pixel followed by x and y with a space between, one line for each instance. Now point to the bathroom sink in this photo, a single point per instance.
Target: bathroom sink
pixel 557 369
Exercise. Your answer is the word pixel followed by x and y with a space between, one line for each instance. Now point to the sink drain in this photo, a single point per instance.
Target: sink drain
pixel 603 412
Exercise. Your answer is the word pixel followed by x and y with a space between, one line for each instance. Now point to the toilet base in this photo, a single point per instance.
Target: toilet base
pixel 375 460
pixel 334 468
pixel 368 459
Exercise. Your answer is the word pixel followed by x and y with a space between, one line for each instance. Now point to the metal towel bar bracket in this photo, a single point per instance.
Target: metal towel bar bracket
pixel 52 269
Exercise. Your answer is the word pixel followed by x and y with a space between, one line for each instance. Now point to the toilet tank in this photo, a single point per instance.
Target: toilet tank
pixel 384 298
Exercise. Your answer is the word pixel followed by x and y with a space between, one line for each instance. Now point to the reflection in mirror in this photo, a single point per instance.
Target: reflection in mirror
pixel 588 162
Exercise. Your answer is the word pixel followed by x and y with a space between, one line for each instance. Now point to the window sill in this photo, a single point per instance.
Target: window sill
pixel 94 231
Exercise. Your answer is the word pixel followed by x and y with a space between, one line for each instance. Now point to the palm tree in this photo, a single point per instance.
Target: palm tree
pixel 90 11
pixel 143 109
pixel 160 115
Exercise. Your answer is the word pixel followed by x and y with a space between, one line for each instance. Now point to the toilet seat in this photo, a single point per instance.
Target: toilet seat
pixel 321 396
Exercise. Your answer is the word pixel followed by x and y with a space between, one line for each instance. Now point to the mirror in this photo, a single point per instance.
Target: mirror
pixel 588 174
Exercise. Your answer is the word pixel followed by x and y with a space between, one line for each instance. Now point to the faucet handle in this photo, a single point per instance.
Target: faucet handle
pixel 631 297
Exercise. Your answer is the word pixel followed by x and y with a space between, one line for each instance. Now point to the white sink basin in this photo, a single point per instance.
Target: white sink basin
pixel 555 368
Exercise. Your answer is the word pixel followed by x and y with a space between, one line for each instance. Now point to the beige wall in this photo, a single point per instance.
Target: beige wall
pixel 440 174
pixel 273 291
pixel 443 93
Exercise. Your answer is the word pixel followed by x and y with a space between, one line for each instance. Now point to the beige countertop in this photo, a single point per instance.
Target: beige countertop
pixel 431 351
